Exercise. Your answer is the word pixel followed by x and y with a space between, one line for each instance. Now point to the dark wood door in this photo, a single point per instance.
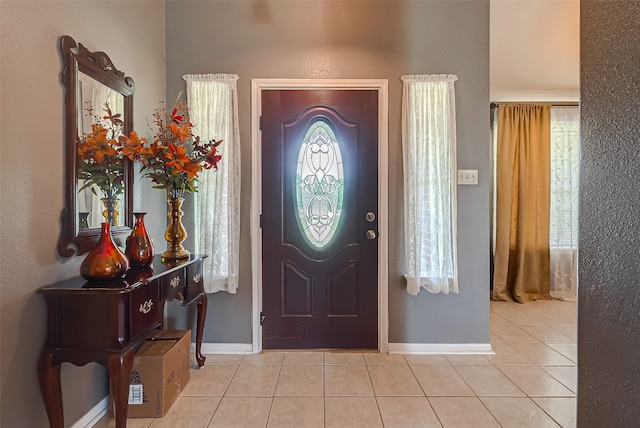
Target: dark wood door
pixel 319 219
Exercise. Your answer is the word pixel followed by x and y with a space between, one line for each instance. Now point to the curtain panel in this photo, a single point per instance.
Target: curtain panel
pixel 213 106
pixel 429 166
pixel 521 263
pixel 563 221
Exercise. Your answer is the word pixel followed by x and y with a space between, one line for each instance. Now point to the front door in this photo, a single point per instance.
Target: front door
pixel 319 219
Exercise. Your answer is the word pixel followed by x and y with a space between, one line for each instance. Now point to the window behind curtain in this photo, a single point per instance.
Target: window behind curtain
pixel 563 210
pixel 429 165
pixel 563 213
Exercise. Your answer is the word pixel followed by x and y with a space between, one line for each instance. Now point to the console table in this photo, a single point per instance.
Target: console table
pixel 107 322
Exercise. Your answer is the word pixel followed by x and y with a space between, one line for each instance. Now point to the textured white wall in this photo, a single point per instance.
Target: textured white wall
pixel 535 50
pixel 356 39
pixel 609 260
pixel 32 175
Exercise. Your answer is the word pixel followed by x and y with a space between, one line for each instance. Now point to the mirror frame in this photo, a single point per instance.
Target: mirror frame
pixel 98 66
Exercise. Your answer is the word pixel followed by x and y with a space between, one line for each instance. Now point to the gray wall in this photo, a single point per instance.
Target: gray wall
pixel 609 261
pixel 32 176
pixel 364 39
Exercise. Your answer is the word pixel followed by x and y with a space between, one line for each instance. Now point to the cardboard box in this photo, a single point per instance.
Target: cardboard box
pixel 160 372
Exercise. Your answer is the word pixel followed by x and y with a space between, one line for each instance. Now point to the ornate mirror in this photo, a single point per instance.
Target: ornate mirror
pixel 98 180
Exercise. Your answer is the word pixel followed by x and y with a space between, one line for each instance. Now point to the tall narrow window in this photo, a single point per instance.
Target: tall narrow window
pixel 319 184
pixel 429 150
pixel 213 104
pixel 563 212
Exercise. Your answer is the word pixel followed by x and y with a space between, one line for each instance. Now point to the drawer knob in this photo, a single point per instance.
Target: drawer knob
pixel 197 278
pixel 145 307
pixel 175 281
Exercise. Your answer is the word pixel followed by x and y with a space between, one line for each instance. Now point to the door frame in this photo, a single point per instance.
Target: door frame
pixel 380 85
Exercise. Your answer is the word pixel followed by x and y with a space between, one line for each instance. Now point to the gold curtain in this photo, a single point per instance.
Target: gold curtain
pixel 521 264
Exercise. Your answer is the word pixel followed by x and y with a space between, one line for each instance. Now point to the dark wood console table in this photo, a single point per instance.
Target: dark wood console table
pixel 107 323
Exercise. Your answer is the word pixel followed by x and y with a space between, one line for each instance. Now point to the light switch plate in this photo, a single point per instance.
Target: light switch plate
pixel 468 176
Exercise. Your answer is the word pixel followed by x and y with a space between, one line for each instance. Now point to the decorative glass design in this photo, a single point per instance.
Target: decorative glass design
pixel 319 184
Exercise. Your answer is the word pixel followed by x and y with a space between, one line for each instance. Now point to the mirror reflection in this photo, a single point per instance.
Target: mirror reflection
pixel 100 167
pixel 98 178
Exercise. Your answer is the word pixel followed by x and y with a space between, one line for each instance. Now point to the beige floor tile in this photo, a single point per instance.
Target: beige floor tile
pixel 109 422
pixel 245 412
pixel 297 412
pixel 547 334
pixel 266 359
pixel 467 360
pixel 568 376
pixel 496 320
pixel 568 330
pixel 385 360
pixel 343 358
pixel 506 354
pixel 209 380
pixel 441 381
pixel 404 412
pixel 569 350
pixel 541 354
pixel 513 334
pixel 394 381
pixel 535 382
pixel 300 381
pixel 352 412
pixel 488 381
pixel 462 412
pixel 303 358
pixel 222 360
pixel 518 412
pixel 426 360
pixel 347 380
pixel 494 338
pixel 188 412
pixel 562 410
pixel 254 381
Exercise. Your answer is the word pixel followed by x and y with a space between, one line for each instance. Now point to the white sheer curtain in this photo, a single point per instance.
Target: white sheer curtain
pixel 213 106
pixel 429 152
pixel 563 214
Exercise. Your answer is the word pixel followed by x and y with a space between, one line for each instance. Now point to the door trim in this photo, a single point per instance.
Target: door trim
pixel 380 85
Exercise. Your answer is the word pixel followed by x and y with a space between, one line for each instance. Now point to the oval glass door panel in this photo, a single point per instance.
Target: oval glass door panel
pixel 319 184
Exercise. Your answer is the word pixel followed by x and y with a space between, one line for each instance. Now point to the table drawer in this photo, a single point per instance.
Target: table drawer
pixel 195 282
pixel 144 309
pixel 173 285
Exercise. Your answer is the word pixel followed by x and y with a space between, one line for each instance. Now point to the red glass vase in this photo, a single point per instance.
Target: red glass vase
pixel 139 248
pixel 105 261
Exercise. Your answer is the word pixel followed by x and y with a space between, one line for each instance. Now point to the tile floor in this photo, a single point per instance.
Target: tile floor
pixel 529 382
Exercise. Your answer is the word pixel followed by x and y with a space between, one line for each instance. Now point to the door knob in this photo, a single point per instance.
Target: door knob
pixel 371 234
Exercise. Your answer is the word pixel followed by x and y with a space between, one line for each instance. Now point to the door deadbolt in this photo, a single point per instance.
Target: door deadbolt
pixel 370 216
pixel 371 234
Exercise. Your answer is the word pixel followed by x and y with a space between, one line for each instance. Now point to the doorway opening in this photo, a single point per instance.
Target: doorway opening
pixel 381 89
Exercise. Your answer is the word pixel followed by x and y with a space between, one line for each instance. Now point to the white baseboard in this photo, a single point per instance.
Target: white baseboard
pixel 225 348
pixel 94 415
pixel 440 348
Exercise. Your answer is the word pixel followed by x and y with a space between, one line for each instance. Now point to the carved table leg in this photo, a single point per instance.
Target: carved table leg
pixel 119 366
pixel 49 377
pixel 202 313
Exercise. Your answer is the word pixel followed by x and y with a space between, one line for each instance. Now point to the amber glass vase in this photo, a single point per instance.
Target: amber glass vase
pixel 105 261
pixel 111 213
pixel 175 232
pixel 139 248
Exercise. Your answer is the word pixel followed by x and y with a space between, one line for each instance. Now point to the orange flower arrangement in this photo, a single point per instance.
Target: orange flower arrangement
pixel 100 154
pixel 167 161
